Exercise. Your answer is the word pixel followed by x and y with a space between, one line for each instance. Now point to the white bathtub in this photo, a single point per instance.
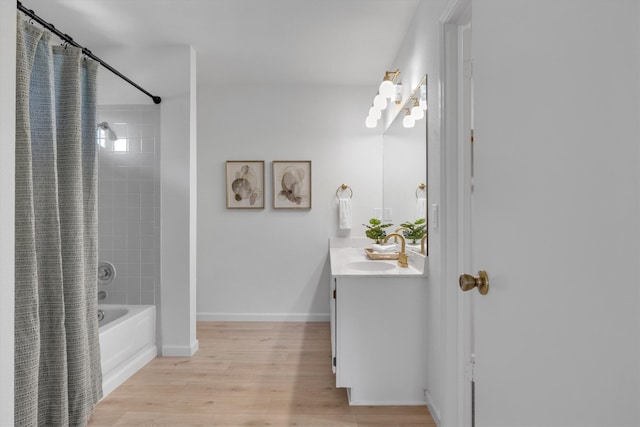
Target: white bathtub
pixel 127 342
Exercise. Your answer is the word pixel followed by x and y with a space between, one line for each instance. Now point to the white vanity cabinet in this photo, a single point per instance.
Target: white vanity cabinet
pixel 378 338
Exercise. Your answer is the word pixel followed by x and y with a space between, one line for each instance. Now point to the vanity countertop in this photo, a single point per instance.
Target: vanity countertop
pixel 352 261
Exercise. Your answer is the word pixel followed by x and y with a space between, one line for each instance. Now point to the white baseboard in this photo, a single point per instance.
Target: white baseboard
pixel 180 350
pixel 195 346
pixel 376 398
pixel 386 403
pixel 433 410
pixel 263 317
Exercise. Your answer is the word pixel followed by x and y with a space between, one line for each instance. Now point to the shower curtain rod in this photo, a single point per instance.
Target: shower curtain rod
pixel 68 39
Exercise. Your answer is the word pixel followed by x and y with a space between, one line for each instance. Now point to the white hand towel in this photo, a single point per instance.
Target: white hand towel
pixel 384 247
pixel 345 214
pixel 421 207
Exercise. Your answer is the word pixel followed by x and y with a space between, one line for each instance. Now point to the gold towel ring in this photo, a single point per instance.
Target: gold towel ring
pixel 422 187
pixel 342 189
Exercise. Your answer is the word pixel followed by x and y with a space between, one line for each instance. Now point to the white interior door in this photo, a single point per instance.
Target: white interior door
pixel 555 213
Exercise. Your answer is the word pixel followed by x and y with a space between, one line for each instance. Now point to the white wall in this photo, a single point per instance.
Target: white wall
pixel 272 264
pixel 7 204
pixel 420 55
pixel 167 72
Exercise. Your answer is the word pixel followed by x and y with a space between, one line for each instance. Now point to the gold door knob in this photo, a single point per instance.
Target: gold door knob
pixel 468 282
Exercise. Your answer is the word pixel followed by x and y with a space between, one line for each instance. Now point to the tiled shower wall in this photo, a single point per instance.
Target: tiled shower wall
pixel 129 203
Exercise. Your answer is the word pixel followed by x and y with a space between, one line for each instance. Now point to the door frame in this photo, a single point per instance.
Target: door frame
pixel 456 409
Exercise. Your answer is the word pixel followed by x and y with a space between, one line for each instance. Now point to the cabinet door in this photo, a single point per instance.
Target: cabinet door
pixel 332 308
pixel 381 345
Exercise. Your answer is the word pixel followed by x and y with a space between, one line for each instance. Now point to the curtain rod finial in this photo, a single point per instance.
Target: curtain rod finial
pixel 156 99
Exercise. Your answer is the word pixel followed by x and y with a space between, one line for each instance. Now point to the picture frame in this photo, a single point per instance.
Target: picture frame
pixel 245 184
pixel 292 184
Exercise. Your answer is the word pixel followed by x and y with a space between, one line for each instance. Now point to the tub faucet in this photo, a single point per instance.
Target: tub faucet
pixel 403 259
pixel 102 295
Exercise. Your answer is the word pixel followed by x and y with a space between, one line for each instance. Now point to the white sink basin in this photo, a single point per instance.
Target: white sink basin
pixel 369 266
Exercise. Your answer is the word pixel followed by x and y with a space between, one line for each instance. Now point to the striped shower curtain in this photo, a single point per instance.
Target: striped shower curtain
pixel 58 379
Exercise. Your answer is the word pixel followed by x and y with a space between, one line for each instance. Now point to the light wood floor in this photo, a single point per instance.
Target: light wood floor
pixel 247 374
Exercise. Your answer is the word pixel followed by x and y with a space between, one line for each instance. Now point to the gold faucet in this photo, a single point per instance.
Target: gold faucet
pixel 403 258
pixel 422 244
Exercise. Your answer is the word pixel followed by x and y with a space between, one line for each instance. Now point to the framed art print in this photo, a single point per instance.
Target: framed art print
pixel 245 184
pixel 292 184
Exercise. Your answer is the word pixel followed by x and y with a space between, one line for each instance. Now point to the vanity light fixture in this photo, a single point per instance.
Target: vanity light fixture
pixel 375 113
pixel 386 88
pixel 371 122
pixel 416 105
pixel 408 120
pixel 380 102
pixel 417 112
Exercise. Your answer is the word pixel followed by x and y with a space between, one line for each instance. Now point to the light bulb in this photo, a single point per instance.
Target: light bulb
pixel 386 88
pixel 417 113
pixel 423 104
pixel 380 102
pixel 375 113
pixel 371 122
pixel 408 121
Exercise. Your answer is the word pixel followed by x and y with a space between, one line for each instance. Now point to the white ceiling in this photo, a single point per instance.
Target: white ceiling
pixel 332 42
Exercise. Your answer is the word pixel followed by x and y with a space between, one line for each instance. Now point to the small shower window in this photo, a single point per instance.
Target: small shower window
pixel 120 145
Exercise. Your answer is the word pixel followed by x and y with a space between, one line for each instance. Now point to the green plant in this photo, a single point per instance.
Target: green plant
pixel 414 230
pixel 376 230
